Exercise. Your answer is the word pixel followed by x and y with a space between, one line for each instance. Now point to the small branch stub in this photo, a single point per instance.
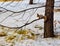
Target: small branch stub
pixel 42 17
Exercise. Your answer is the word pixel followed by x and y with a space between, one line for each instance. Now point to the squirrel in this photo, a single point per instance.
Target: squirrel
pixel 42 17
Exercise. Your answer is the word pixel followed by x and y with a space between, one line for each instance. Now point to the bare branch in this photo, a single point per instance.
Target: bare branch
pixel 22 10
pixel 22 25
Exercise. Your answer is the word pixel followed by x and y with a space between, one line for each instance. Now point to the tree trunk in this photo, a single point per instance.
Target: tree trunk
pixel 31 2
pixel 49 13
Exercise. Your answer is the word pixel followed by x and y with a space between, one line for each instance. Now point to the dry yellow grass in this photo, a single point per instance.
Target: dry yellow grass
pixel 9 0
pixel 3 34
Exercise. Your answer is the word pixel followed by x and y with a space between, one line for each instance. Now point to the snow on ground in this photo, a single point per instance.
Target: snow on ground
pixel 39 41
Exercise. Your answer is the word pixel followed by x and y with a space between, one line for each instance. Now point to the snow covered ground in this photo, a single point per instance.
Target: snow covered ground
pixel 14 21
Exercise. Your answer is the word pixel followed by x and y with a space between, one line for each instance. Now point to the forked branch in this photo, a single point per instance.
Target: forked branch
pixel 40 17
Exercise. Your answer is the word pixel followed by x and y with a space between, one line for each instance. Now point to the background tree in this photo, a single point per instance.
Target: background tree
pixel 31 2
pixel 49 13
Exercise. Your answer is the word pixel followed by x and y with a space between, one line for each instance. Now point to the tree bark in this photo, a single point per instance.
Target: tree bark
pixel 49 13
pixel 31 2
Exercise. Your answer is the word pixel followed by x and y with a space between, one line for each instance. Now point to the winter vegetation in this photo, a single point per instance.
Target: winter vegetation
pixel 29 23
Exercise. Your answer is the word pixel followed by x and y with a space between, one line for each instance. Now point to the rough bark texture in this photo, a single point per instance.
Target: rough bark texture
pixel 49 13
pixel 31 2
